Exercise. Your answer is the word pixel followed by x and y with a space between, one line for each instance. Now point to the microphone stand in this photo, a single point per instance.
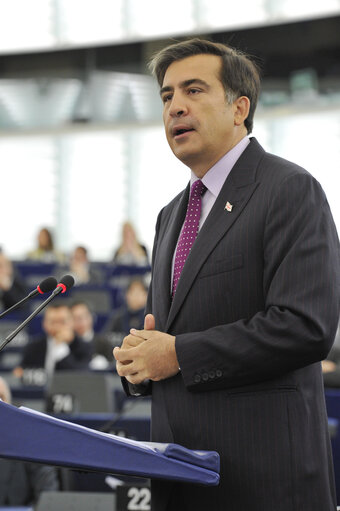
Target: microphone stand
pixel 16 305
pixel 27 320
pixel 45 286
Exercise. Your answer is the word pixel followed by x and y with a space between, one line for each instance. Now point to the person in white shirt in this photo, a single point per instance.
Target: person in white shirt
pixel 59 347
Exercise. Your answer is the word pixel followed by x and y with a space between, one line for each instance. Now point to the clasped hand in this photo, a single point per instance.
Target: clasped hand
pixel 146 354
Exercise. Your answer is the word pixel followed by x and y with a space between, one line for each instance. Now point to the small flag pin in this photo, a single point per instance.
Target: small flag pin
pixel 228 207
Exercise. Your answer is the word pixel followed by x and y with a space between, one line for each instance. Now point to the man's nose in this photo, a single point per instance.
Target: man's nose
pixel 178 106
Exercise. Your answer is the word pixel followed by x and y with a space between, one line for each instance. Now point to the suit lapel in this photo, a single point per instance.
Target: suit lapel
pixel 237 190
pixel 167 241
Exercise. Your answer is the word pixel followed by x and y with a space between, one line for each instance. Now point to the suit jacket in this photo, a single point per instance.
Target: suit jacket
pixel 16 293
pixel 79 357
pixel 255 310
pixel 22 482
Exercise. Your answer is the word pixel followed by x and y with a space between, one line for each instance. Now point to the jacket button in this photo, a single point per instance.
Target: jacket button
pixel 212 374
pixel 197 378
pixel 219 373
pixel 205 376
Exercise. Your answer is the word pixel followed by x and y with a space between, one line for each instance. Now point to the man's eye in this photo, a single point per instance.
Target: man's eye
pixel 166 98
pixel 194 91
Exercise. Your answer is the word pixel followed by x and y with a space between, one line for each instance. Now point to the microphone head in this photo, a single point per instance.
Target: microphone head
pixel 47 285
pixel 66 283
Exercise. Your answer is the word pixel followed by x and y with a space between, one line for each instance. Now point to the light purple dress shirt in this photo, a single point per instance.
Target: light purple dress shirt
pixel 214 180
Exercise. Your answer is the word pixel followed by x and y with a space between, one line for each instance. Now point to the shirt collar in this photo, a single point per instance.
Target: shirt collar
pixel 216 176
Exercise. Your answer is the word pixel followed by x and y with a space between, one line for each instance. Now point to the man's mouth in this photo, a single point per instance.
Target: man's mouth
pixel 180 132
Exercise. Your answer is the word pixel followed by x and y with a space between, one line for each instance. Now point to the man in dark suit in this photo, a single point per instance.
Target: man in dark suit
pixel 231 349
pixel 83 325
pixel 12 289
pixel 59 348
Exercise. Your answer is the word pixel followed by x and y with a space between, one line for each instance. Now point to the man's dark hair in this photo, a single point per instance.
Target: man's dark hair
pixel 239 75
pixel 82 248
pixel 58 304
pixel 139 281
pixel 76 303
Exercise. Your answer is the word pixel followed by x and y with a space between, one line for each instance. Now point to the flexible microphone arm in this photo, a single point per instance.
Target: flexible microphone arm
pixel 45 286
pixel 65 283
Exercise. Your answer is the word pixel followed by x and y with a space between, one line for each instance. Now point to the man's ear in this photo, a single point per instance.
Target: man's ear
pixel 241 109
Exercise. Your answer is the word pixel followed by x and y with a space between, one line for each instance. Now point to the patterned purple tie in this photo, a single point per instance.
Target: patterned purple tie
pixel 189 231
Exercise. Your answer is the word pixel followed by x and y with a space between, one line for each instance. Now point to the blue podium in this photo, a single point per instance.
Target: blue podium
pixel 29 435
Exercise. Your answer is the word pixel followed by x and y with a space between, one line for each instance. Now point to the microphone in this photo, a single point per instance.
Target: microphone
pixel 45 286
pixel 65 283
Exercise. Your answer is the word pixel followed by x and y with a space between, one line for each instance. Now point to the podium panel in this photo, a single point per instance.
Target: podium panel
pixel 74 501
pixel 33 436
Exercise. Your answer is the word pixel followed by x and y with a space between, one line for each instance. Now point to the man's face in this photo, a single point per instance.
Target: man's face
pixel 82 319
pixel 5 266
pixel 79 256
pixel 4 392
pixel 199 123
pixel 136 296
pixel 57 319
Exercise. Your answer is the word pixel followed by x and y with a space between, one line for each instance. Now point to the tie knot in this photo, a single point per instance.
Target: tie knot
pixel 197 188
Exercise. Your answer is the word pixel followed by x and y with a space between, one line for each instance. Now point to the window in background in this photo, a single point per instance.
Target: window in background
pixel 29 191
pixel 261 132
pixel 312 141
pixel 303 8
pixel 154 18
pixel 121 97
pixel 80 21
pixel 222 14
pixel 158 176
pixel 38 24
pixel 26 25
pixel 39 102
pixel 93 192
pixel 85 185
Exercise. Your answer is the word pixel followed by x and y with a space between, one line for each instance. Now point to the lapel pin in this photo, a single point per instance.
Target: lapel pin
pixel 228 207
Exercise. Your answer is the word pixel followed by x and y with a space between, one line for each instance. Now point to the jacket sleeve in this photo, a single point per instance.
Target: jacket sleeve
pixel 301 288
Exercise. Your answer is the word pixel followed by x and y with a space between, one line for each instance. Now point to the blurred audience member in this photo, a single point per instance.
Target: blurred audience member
pixel 22 482
pixel 45 251
pixel 130 252
pixel 131 315
pixel 59 347
pixel 82 270
pixel 82 320
pixel 331 366
pixel 12 290
pixel 83 324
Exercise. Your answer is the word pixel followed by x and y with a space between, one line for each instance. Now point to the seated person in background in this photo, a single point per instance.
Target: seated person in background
pixel 81 268
pixel 21 482
pixel 45 251
pixel 12 290
pixel 83 327
pixel 130 252
pixel 331 366
pixel 131 315
pixel 59 347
